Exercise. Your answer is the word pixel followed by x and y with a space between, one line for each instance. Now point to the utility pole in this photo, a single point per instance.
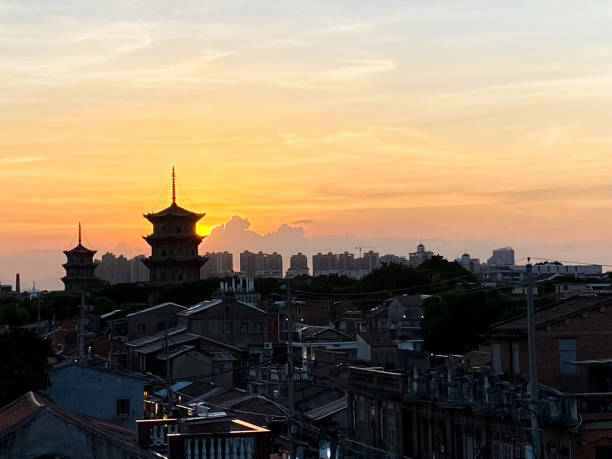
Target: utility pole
pixel 168 376
pixel 533 369
pixel 80 337
pixel 291 401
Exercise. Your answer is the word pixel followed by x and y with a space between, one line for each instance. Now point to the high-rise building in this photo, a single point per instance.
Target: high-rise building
pixel 138 271
pixel 393 259
pixel 219 264
pixel 502 257
pixel 261 264
pixel 79 267
pixel 118 269
pixel 174 243
pixel 421 255
pixel 298 266
pixel 469 264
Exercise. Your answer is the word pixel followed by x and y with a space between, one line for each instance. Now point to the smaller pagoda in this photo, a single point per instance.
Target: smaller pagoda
pixel 174 243
pixel 79 268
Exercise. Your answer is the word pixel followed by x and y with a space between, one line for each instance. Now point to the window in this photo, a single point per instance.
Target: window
pixel 141 328
pixel 161 326
pixel 123 407
pixel 497 361
pixel 567 353
pixel 516 367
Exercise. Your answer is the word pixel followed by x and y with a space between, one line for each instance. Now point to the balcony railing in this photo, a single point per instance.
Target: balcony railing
pixel 153 433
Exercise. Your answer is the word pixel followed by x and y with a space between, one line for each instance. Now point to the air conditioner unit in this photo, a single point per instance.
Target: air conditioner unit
pixel 268 345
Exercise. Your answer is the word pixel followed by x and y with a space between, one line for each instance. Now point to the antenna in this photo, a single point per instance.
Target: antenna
pixel 173 187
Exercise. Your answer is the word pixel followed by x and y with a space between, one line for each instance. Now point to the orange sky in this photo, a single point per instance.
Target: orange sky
pixel 464 121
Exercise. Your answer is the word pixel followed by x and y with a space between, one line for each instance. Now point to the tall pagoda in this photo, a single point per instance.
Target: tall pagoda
pixel 79 268
pixel 174 243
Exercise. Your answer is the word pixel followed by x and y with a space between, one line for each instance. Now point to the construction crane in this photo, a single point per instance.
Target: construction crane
pixel 359 248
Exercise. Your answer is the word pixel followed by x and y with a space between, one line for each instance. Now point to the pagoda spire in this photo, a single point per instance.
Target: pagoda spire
pixel 79 233
pixel 173 187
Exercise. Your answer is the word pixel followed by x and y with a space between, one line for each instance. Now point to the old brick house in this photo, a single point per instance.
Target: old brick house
pixel 231 322
pixel 574 330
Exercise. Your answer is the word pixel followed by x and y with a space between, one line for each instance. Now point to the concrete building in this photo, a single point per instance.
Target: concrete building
pixel 150 321
pixel 502 257
pixel 389 259
pixel 118 269
pixel 570 270
pixel 421 255
pixel 468 263
pixel 298 266
pixel 33 427
pixel 261 264
pixel 99 392
pixel 219 264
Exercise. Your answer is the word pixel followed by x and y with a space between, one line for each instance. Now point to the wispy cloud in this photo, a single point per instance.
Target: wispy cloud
pixel 21 159
pixel 349 70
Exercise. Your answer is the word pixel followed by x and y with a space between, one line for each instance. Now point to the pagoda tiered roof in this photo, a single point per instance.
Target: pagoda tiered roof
pixel 80 248
pixel 174 210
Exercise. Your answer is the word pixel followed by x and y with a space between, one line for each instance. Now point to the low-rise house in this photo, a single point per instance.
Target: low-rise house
pixel 189 355
pixel 151 321
pixel 33 427
pixel 101 392
pixel 573 330
pixel 231 322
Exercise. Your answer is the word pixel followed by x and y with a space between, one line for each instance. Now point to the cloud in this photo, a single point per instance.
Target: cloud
pixel 349 70
pixel 302 222
pixel 23 159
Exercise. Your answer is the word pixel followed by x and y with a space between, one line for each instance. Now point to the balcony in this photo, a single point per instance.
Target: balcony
pixel 204 438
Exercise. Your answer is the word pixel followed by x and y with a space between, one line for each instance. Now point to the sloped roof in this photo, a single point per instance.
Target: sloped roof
pixel 207 304
pixel 31 406
pixel 552 314
pixel 157 306
pixel 80 248
pixel 328 409
pixel 174 210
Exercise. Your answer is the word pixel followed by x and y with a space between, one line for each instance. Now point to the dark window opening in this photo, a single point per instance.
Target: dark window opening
pixel 123 407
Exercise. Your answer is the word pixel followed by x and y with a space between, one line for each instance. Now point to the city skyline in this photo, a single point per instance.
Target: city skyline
pixel 468 126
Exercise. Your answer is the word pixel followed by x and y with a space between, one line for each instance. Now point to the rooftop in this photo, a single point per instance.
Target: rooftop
pixel 31 406
pixel 552 314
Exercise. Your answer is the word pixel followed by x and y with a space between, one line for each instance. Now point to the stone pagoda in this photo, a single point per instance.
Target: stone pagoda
pixel 174 244
pixel 79 268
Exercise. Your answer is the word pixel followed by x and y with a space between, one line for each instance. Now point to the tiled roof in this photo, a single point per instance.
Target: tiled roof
pixel 207 304
pixel 174 340
pixel 328 409
pixel 551 314
pixel 157 306
pixel 175 211
pixel 30 406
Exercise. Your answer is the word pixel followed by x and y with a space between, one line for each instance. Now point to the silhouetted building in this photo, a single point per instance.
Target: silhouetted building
pixel 261 264
pixel 393 259
pixel 502 257
pixel 118 269
pixel 219 264
pixel 298 266
pixel 469 264
pixel 174 244
pixel 420 256
pixel 79 268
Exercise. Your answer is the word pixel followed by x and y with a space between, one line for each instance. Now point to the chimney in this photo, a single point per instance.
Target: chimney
pixel 17 283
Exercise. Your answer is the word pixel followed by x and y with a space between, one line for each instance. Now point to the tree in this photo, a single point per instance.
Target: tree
pixel 23 363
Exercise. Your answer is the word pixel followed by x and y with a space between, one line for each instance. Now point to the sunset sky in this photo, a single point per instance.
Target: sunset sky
pixel 467 124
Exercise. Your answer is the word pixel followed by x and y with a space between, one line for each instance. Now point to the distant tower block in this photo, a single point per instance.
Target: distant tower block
pixel 174 244
pixel 79 268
